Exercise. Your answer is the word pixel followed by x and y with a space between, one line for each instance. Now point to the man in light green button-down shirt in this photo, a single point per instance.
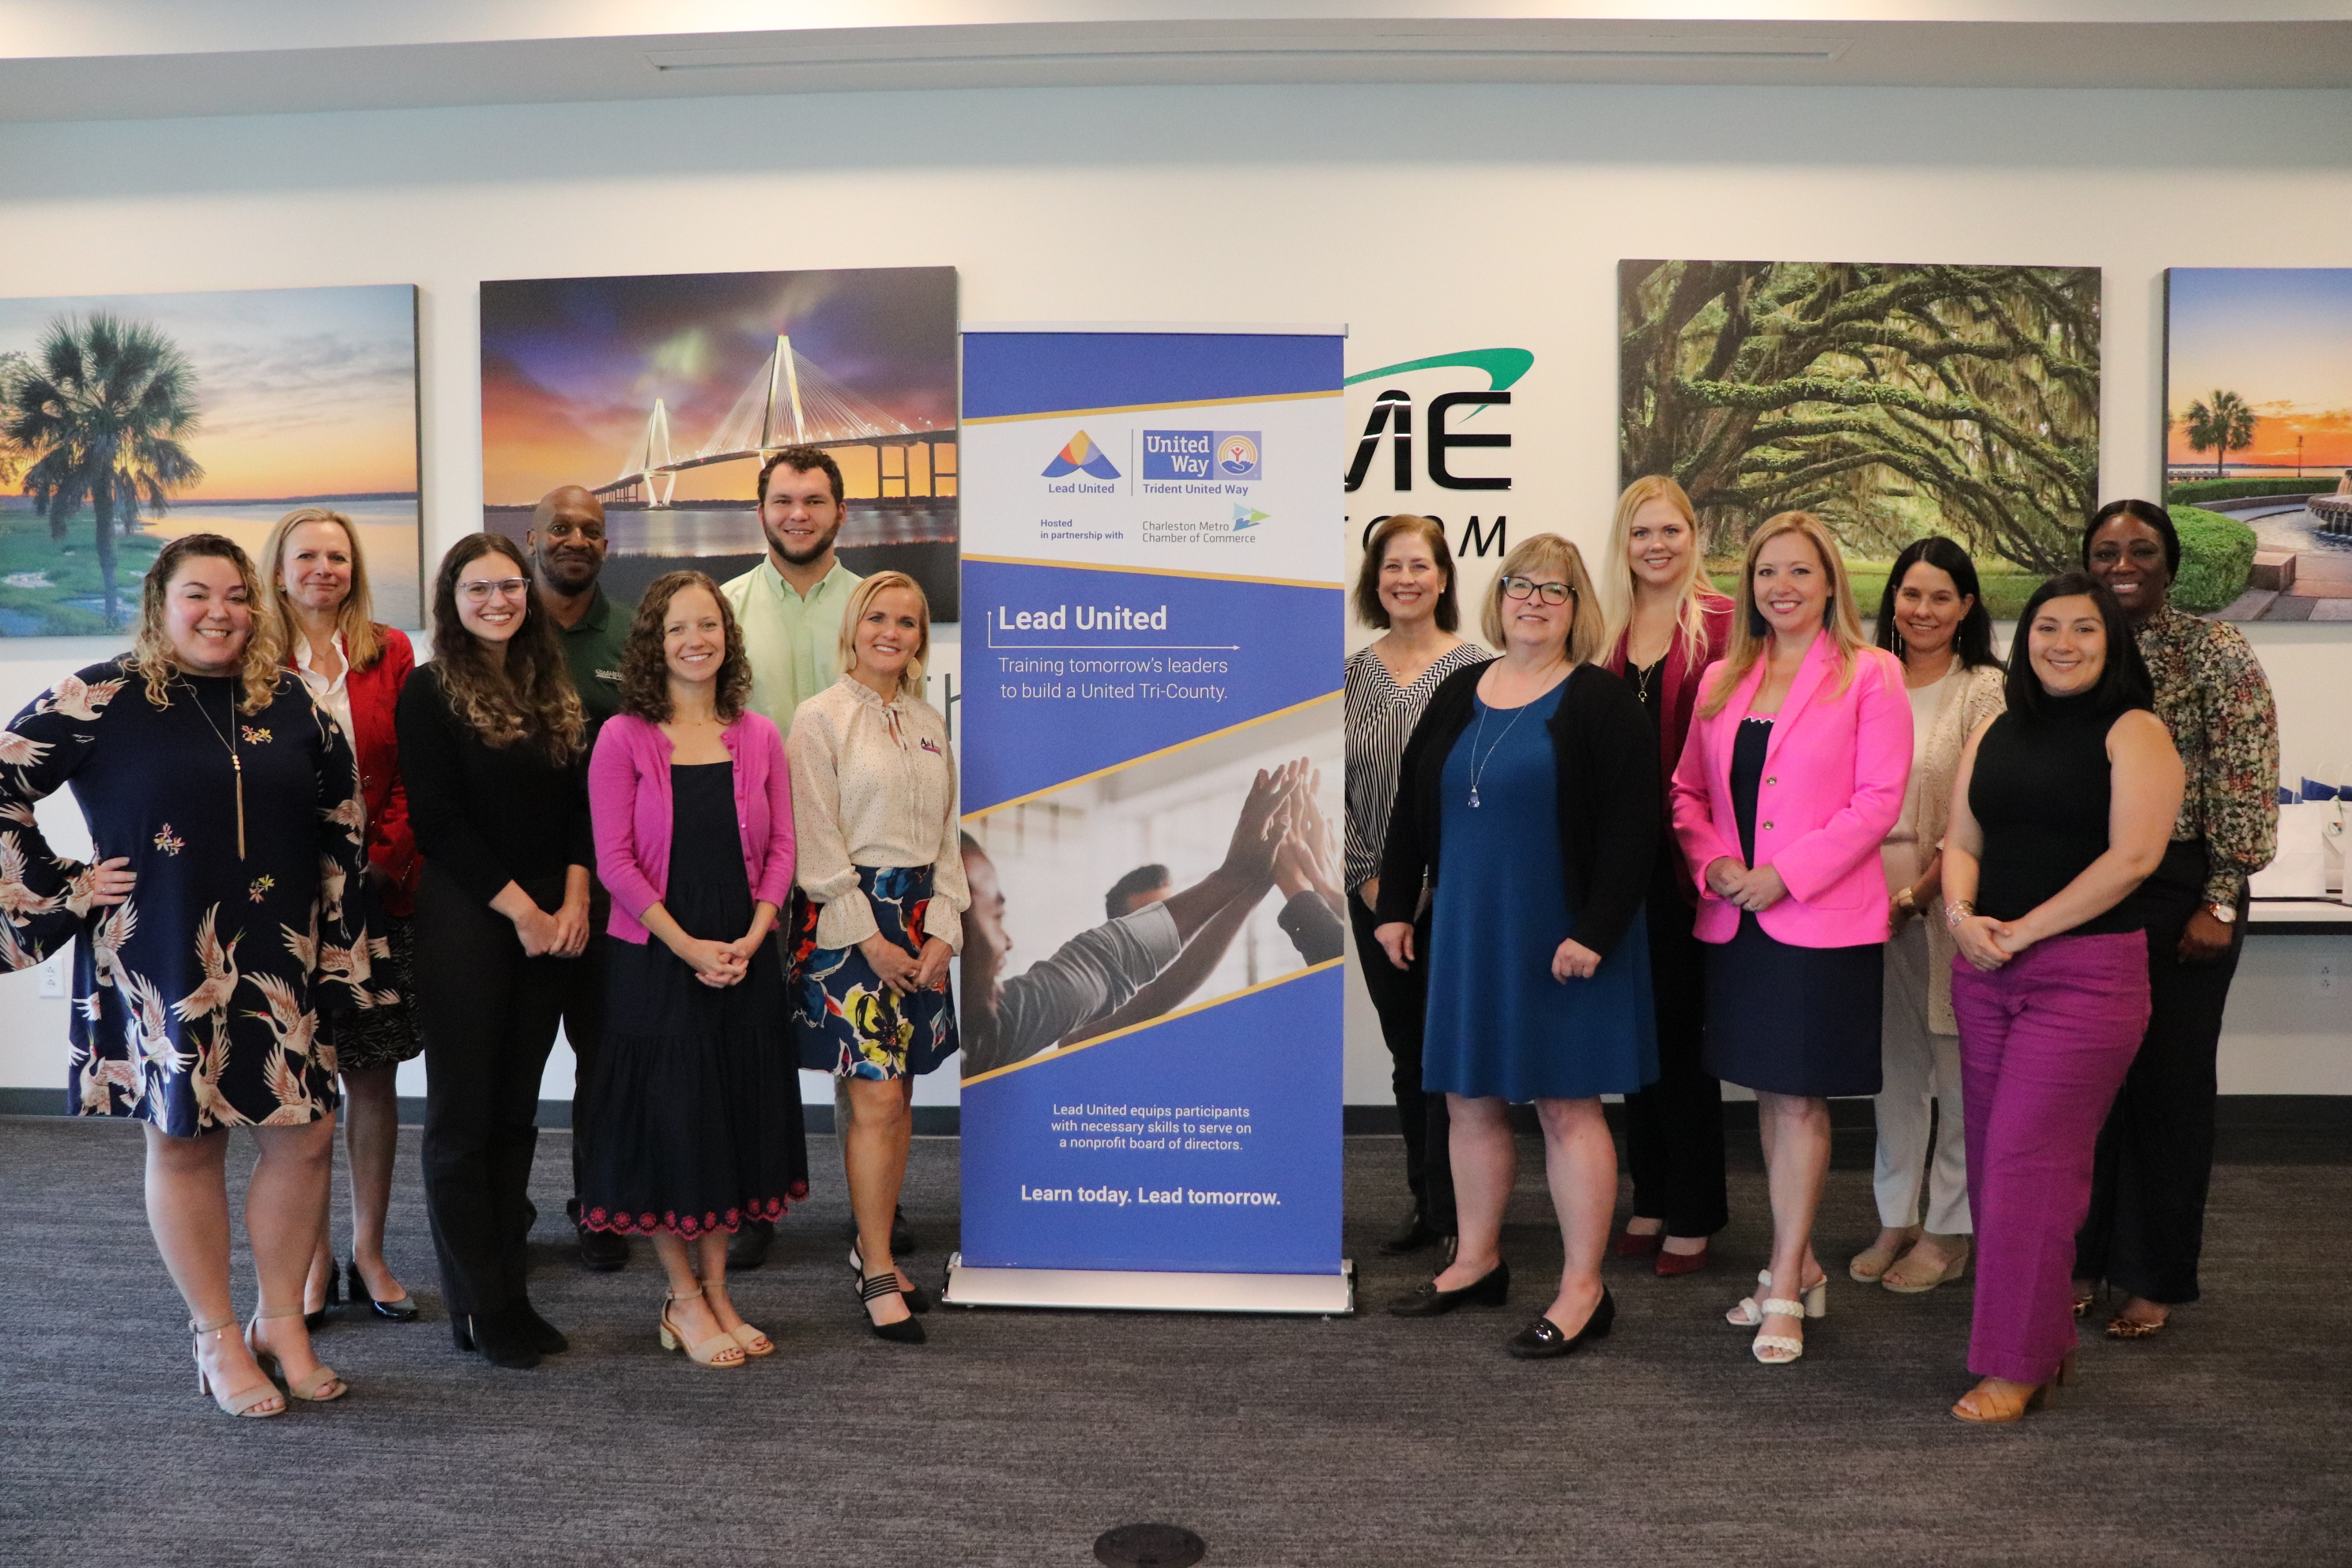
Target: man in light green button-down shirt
pixel 790 606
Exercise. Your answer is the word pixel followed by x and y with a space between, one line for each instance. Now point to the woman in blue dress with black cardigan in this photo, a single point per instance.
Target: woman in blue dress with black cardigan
pixel 1539 774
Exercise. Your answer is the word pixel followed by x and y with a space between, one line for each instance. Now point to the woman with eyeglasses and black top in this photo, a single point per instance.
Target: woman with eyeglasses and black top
pixel 1538 774
pixel 491 742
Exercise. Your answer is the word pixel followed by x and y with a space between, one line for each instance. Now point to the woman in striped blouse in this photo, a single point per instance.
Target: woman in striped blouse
pixel 1405 588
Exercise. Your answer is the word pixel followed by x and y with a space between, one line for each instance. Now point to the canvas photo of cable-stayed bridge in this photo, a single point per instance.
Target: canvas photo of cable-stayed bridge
pixel 664 394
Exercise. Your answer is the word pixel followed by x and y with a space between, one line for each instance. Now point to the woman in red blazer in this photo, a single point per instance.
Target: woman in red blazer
pixel 1792 775
pixel 355 668
pixel 1668 627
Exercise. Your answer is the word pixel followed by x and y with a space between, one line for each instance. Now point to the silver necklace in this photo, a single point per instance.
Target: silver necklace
pixel 1479 769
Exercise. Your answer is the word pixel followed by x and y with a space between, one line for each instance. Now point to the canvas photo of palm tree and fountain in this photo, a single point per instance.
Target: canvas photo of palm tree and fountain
pixel 127 420
pixel 2258 440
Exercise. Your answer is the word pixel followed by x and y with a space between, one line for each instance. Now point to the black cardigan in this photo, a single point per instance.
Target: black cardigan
pixel 1607 759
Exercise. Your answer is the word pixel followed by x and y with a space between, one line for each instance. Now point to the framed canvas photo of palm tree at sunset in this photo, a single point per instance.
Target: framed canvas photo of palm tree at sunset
pixel 2258 438
pixel 127 420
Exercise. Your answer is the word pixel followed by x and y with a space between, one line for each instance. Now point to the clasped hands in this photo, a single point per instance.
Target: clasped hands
pixel 1755 889
pixel 903 972
pixel 720 964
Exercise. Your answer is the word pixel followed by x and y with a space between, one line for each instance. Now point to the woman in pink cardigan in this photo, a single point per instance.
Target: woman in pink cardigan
pixel 696 1099
pixel 1792 775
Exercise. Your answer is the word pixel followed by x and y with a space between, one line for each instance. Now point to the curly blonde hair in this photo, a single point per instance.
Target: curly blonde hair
pixel 150 655
pixel 645 670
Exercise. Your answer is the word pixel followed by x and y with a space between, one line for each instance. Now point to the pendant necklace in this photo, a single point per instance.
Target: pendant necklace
pixel 1478 768
pixel 236 764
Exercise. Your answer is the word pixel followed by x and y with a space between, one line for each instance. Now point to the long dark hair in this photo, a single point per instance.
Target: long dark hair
pixel 1972 639
pixel 645 671
pixel 2124 681
pixel 529 697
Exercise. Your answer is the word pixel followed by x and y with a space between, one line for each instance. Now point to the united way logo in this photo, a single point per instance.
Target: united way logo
pixel 1081 456
pixel 1201 455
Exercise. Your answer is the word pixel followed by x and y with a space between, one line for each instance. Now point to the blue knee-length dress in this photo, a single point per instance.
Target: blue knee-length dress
pixel 1498 1024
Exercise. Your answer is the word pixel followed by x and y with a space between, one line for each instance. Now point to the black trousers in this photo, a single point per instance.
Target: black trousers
pixel 488 1016
pixel 1674 1129
pixel 584 1026
pixel 1401 997
pixel 2155 1159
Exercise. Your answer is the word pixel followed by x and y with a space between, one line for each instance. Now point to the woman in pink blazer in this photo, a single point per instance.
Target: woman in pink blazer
pixel 696 1102
pixel 1792 775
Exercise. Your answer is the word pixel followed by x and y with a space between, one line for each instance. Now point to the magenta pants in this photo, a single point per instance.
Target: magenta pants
pixel 2045 1041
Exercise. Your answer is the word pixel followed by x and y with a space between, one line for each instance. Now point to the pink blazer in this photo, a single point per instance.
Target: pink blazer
pixel 629 797
pixel 1833 787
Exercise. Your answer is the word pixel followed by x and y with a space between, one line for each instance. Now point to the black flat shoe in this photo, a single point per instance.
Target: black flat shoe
pixel 356 1289
pixel 906 1330
pixel 1542 1340
pixel 502 1338
pixel 545 1337
pixel 601 1251
pixel 1415 1234
pixel 748 1247
pixel 1426 1300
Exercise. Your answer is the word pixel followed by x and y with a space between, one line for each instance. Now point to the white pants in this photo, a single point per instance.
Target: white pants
pixel 1922 1068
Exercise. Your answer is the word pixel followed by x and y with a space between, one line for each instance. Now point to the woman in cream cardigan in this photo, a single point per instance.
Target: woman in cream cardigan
pixel 1933 617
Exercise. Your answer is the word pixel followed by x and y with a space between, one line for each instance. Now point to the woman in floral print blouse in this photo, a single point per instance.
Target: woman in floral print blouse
pixel 224 815
pixel 2156 1154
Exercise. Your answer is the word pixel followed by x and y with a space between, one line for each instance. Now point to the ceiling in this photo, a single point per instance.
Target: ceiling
pixel 114 59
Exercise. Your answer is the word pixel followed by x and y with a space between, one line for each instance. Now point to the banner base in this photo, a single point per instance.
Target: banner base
pixel 1137 1290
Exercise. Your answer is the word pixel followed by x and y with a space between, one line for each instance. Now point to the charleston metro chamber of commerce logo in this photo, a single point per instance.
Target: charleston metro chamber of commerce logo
pixel 1201 455
pixel 1080 455
pixel 1246 517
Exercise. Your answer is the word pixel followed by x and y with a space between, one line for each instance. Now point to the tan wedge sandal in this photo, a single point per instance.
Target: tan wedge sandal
pixel 1915 1277
pixel 720 1348
pixel 321 1386
pixel 252 1403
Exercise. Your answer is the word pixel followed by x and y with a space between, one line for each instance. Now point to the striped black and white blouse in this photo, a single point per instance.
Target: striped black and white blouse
pixel 1380 715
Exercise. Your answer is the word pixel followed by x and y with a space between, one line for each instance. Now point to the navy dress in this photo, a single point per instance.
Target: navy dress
pixel 1781 1018
pixel 1498 1024
pixel 696 1098
pixel 196 1000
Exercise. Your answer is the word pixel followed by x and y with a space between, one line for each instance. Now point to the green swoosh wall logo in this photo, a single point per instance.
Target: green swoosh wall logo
pixel 1503 367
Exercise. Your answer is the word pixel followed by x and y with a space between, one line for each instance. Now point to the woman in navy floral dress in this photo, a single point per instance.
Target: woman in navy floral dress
pixel 220 912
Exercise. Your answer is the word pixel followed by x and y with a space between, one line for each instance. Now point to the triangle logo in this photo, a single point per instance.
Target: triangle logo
pixel 1080 455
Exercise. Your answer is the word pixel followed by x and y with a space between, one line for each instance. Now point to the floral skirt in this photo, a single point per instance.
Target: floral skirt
pixel 848 1022
pixel 385 1035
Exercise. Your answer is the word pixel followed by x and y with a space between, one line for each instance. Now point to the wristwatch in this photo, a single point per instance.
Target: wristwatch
pixel 1906 902
pixel 2226 913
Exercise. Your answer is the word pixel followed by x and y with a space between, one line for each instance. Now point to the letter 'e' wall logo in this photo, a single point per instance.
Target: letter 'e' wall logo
pixel 1080 455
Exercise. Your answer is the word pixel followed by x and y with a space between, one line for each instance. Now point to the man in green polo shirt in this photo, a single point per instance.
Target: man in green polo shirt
pixel 790 606
pixel 567 547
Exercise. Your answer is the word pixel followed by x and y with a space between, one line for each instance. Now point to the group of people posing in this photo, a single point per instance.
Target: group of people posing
pixel 1688 839
pixel 715 842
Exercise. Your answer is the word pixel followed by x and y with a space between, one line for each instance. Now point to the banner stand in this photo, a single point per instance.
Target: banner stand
pixel 1140 1291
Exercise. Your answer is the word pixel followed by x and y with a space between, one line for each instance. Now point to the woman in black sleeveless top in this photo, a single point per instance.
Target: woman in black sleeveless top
pixel 2061 807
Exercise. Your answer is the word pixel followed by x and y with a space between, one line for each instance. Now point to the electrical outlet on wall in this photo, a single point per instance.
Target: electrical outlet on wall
pixel 53 976
pixel 2327 978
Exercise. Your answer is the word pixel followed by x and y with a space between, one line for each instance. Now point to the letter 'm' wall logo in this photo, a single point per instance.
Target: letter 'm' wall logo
pixel 1443 444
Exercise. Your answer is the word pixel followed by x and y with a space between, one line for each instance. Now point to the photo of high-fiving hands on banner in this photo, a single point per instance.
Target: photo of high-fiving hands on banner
pixel 1164 886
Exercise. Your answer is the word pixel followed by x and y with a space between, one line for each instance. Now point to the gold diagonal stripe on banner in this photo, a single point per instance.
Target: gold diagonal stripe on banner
pixel 1154 572
pixel 1148 756
pixel 1068 1052
pixel 1150 407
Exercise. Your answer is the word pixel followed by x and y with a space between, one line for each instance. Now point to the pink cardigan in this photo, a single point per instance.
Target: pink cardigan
pixel 1833 787
pixel 629 796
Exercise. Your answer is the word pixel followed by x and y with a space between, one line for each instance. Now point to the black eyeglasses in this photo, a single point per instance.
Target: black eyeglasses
pixel 1525 588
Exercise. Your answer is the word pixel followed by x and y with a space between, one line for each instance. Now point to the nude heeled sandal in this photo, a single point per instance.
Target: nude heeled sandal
pixel 1785 1348
pixel 320 1387
pixel 1978 1407
pixel 719 1350
pixel 1750 1313
pixel 247 1401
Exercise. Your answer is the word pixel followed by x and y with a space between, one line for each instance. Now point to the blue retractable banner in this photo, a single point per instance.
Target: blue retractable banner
pixel 1151 771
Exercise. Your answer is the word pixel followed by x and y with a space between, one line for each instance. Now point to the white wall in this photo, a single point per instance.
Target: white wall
pixel 1429 218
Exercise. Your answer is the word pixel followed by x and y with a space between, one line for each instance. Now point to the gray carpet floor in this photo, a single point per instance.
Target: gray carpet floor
pixel 1016 1438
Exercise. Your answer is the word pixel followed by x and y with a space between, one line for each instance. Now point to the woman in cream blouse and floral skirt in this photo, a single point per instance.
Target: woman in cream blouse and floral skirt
pixel 880 911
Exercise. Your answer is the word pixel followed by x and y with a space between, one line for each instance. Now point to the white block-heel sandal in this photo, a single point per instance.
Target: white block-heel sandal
pixel 1748 1314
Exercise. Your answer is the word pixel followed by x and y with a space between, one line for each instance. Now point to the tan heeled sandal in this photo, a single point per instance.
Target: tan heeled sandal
pixel 321 1386
pixel 1905 1279
pixel 1871 1263
pixel 245 1402
pixel 753 1342
pixel 1981 1408
pixel 721 1349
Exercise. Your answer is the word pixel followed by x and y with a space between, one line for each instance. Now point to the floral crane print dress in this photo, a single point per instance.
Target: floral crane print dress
pixel 196 999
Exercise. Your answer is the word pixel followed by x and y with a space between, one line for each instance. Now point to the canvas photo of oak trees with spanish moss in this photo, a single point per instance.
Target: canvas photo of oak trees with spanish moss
pixel 1893 401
